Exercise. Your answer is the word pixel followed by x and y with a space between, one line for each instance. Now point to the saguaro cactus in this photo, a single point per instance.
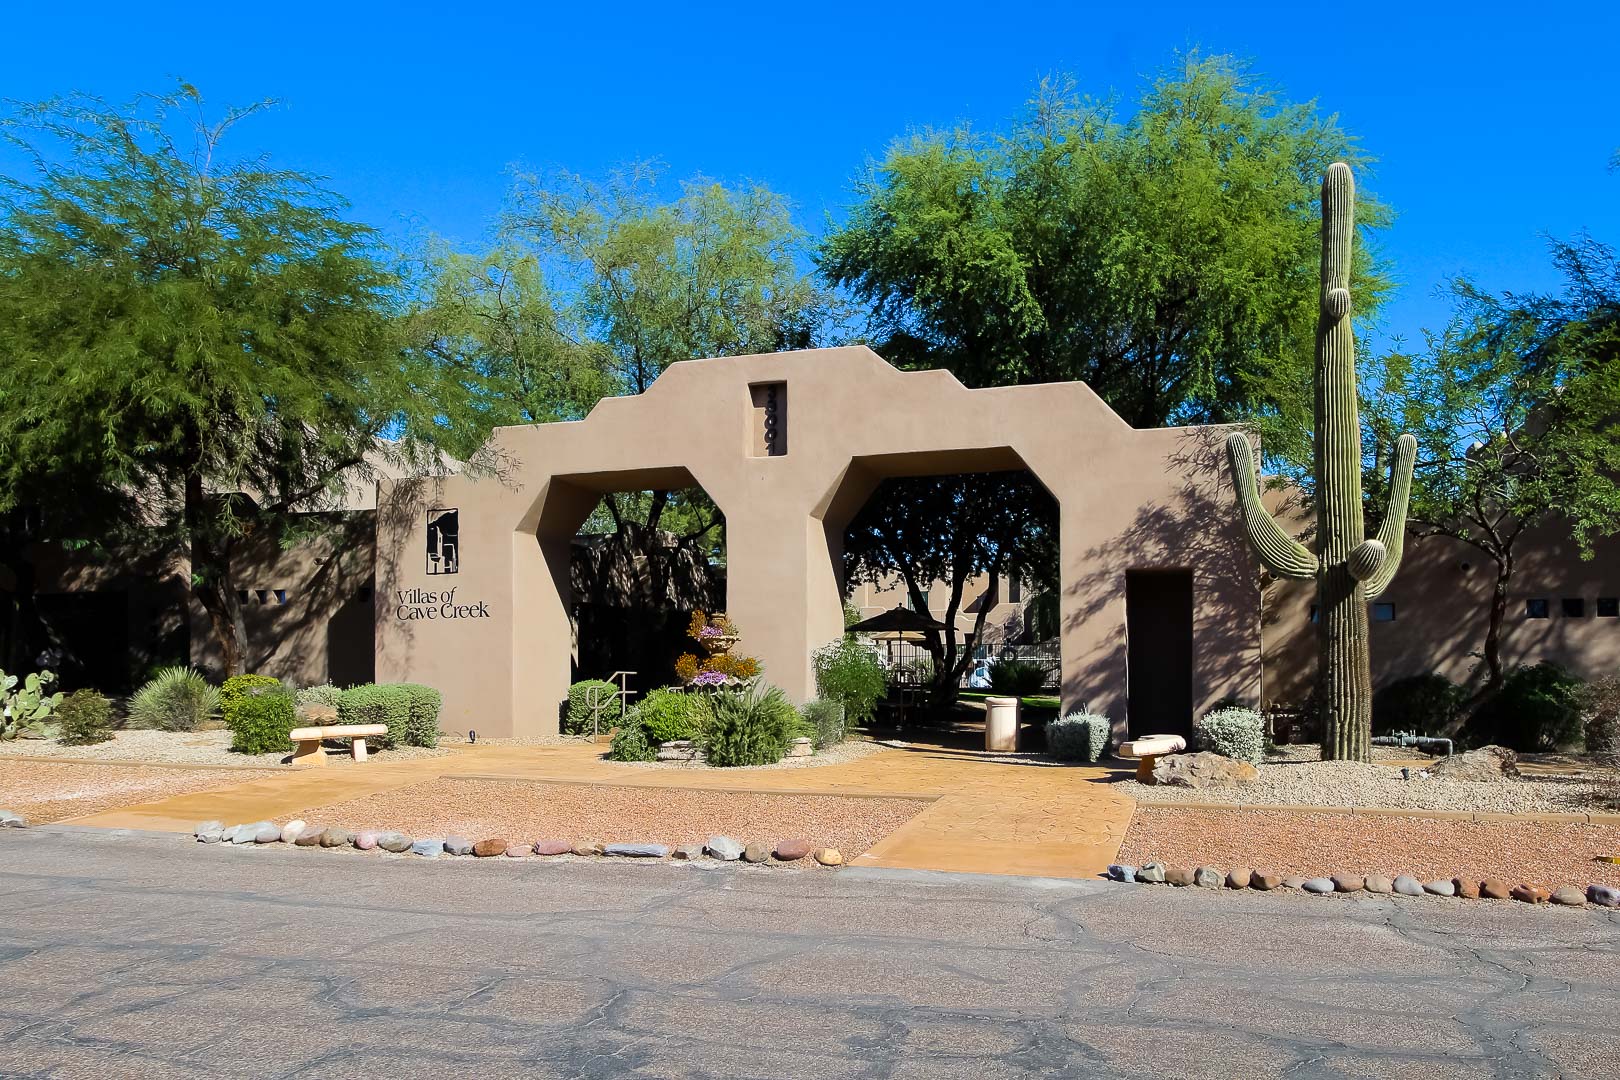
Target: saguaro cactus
pixel 1349 568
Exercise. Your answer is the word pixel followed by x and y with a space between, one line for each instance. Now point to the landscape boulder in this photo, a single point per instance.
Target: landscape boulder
pixel 829 856
pixel 457 845
pixel 365 839
pixel 1530 894
pixel 337 838
pixel 637 851
pixel 1486 763
pixel 724 848
pixel 1603 895
pixel 428 849
pixel 10 819
pixel 588 847
pixel 266 832
pixel 517 849
pixel 1121 872
pixel 486 849
pixel 1241 878
pixel 552 847
pixel 1569 896
pixel 1265 881
pixel 1494 889
pixel 1152 873
pixel 1407 885
pixel 1202 770
pixel 1178 876
pixel 1440 887
pixel 1467 888
pixel 1348 883
pixel 756 853
pixel 397 842
pixel 687 852
pixel 210 832
pixel 1207 877
pixel 793 850
pixel 1318 885
pixel 291 831
pixel 311 836
pixel 1378 883
pixel 315 714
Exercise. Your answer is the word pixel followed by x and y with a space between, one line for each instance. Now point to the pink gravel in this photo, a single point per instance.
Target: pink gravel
pixel 1282 842
pixel 44 791
pixel 525 810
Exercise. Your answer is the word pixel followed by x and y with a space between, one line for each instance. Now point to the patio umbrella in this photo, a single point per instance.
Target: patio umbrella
pixel 897 620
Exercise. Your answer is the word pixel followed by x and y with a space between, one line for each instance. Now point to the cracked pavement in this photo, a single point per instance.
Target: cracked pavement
pixel 126 954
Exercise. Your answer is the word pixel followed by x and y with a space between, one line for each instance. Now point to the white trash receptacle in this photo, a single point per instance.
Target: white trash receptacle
pixel 1001 723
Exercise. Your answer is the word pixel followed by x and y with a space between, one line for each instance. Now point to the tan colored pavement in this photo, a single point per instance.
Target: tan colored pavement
pixel 989 815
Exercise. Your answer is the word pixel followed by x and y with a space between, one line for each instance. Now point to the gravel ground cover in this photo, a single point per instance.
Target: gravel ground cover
pixel 1308 844
pixel 43 791
pixel 1349 783
pixel 187 748
pixel 521 810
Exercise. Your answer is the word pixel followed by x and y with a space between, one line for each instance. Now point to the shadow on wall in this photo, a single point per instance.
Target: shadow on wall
pixel 1197 530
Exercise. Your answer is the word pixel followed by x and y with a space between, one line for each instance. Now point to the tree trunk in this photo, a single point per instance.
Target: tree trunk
pixel 211 581
pixel 1493 631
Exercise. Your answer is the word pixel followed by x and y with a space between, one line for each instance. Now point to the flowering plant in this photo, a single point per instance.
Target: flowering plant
pixel 711 678
pixel 705 626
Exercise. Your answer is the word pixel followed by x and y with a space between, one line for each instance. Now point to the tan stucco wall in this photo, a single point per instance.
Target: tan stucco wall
pixel 499 647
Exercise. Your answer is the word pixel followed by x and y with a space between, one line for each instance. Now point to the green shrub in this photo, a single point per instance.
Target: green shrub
pixel 848 671
pixel 579 718
pixel 749 726
pixel 85 719
pixel 177 699
pixel 1600 713
pixel 1420 704
pixel 825 719
pixel 1538 709
pixel 375 704
pixel 237 687
pixel 1016 678
pixel 27 706
pixel 261 723
pixel 630 744
pixel 667 714
pixel 422 728
pixel 1236 733
pixel 1080 736
pixel 324 694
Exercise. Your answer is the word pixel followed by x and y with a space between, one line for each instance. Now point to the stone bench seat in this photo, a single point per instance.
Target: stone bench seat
pixel 1148 750
pixel 309 739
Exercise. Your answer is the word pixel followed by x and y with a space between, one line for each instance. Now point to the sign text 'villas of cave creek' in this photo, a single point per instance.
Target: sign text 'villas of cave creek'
pixel 411 604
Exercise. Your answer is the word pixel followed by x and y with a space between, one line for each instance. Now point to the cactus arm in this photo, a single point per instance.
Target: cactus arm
pixel 1392 534
pixel 1279 553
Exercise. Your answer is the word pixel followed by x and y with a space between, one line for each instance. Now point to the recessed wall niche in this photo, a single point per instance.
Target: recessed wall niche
pixel 769 430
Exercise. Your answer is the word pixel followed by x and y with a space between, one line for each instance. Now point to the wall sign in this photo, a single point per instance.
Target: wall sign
pixel 413 604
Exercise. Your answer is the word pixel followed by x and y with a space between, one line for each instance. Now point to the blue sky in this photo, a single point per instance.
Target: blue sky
pixel 1493 123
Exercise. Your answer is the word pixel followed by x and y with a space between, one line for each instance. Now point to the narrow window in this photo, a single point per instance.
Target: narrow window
pixel 281 596
pixel 1574 607
pixel 1383 612
pixel 241 595
pixel 1316 613
pixel 1015 589
pixel 263 595
pixel 1608 607
pixel 1535 608
pixel 769 437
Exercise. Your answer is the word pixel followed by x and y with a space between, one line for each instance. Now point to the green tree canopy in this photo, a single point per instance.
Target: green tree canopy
pixel 206 331
pixel 1516 408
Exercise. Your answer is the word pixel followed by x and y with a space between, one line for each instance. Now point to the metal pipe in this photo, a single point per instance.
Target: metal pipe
pixel 1425 743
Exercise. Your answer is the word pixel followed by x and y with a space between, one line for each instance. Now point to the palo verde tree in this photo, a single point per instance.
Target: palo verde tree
pixel 1167 257
pixel 595 288
pixel 206 332
pixel 1349 567
pixel 1516 408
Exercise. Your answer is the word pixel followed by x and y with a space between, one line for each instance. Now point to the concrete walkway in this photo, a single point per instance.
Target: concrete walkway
pixel 995 815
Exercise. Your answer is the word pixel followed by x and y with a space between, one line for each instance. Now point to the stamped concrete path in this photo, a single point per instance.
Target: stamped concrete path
pixel 997 815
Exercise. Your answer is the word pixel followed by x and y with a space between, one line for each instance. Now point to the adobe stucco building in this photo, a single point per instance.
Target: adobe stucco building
pixel 1154 572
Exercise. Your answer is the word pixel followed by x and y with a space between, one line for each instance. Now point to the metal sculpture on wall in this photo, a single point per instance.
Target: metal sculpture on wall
pixel 443 541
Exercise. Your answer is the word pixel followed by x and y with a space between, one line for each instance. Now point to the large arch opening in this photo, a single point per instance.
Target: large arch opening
pixel 630 555
pixel 969 539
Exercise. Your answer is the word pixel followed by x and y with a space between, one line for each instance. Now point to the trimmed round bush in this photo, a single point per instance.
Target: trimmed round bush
pixel 1080 736
pixel 630 744
pixel 1235 732
pixel 1421 704
pixel 237 687
pixel 825 721
pixel 389 706
pixel 422 726
pixel 177 699
pixel 85 718
pixel 1537 710
pixel 261 723
pixel 665 715
pixel 579 718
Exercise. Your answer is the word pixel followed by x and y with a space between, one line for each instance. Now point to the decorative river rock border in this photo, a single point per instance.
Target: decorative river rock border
pixel 1404 885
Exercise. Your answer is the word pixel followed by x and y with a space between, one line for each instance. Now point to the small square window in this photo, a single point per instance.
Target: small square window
pixel 1535 608
pixel 263 595
pixel 1608 607
pixel 241 595
pixel 1574 607
pixel 281 596
pixel 1383 612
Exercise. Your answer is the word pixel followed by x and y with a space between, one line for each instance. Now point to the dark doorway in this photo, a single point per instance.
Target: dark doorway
pixel 1158 629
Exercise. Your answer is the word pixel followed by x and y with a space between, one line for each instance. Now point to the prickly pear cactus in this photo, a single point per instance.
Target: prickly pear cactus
pixel 22 711
pixel 1349 567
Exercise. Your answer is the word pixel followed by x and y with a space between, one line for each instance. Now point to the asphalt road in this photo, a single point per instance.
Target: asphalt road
pixel 143 956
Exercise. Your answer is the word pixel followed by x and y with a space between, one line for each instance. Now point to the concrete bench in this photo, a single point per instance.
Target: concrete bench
pixel 309 741
pixel 1148 750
